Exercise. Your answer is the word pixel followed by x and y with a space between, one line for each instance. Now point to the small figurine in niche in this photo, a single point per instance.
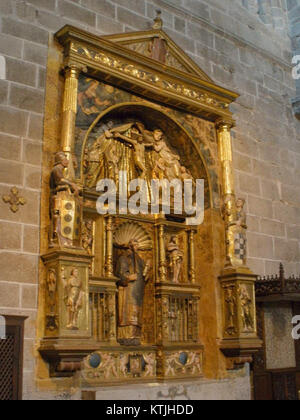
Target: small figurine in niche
pixel 150 364
pixel 175 258
pixel 241 214
pixel 246 303
pixel 51 283
pixel 73 298
pixel 109 366
pixel 133 273
pixel 231 308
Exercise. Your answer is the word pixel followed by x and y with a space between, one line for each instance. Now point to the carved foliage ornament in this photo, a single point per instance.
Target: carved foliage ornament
pixel 14 200
pixel 140 74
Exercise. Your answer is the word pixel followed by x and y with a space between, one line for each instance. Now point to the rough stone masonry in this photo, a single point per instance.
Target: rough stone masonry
pixel 244 45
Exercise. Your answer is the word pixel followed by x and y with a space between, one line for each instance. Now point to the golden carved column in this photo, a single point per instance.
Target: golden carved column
pixel 240 339
pixel 109 247
pixel 69 112
pixel 162 253
pixel 228 193
pixel 192 271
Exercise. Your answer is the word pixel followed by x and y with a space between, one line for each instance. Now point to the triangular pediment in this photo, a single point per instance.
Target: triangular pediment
pixel 157 44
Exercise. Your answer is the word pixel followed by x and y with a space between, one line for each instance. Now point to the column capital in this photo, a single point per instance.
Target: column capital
pixel 225 124
pixel 73 69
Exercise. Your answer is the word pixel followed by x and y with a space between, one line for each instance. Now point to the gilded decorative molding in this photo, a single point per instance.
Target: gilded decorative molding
pixel 14 200
pixel 140 74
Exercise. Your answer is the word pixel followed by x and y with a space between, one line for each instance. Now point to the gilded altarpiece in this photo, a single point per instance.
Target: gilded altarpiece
pixel 135 297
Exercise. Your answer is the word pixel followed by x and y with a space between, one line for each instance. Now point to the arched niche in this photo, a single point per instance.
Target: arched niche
pixel 177 137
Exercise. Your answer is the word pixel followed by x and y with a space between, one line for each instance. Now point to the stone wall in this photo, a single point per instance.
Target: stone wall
pixel 235 41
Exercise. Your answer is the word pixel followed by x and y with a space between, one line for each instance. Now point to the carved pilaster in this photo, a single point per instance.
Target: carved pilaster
pixel 228 193
pixel 72 72
pixel 240 338
pixel 162 315
pixel 192 271
pixel 67 294
pixel 162 254
pixel 109 263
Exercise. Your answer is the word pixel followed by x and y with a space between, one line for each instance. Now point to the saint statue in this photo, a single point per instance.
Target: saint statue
pixel 65 205
pixel 231 310
pixel 73 298
pixel 175 258
pixel 133 274
pixel 246 303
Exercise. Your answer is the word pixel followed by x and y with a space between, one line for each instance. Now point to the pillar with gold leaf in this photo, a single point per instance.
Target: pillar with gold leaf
pixel 240 339
pixel 67 263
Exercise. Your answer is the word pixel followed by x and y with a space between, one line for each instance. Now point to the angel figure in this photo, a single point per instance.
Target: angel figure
pixel 150 364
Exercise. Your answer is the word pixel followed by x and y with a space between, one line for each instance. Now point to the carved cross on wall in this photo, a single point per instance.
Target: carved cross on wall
pixel 14 200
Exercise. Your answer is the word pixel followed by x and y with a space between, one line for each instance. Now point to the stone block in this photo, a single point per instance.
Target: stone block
pixel 138 6
pixel 35 53
pixel 272 228
pixel 28 297
pixel 135 21
pixel 24 31
pixel 33 177
pixel 197 8
pixel 253 223
pixel 13 121
pixel 26 12
pixel 3 91
pixel 260 246
pixel 291 194
pixel 179 24
pixel 42 78
pixel 269 153
pixel 200 34
pixel 21 72
pixel 27 99
pixel 10 236
pixel 287 250
pixel 270 189
pixel 31 238
pixel 262 169
pixel 9 295
pixel 249 184
pixel 256 265
pixel 242 163
pixel 10 147
pixel 260 207
pixel 74 12
pixel 51 21
pixel 32 153
pixel 11 172
pixel 43 4
pixel 35 131
pixel 108 26
pixel 18 268
pixel 11 46
pixel 6 7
